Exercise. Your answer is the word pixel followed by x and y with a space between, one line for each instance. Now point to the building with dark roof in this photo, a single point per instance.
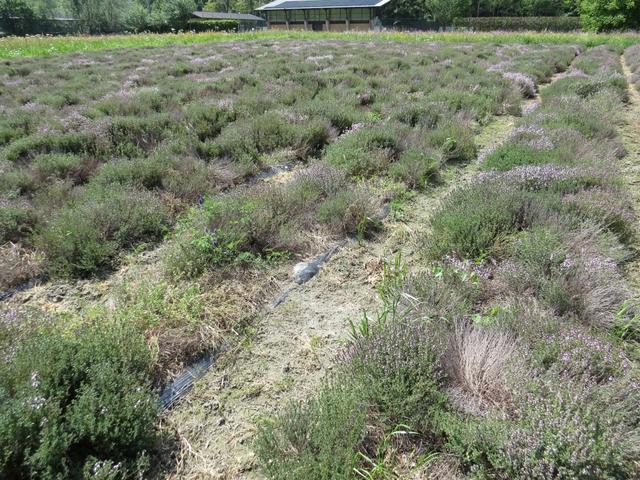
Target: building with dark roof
pixel 246 21
pixel 322 15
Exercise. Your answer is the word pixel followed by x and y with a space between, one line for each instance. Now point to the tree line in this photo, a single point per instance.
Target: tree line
pixel 108 16
pixel 595 15
pixel 97 16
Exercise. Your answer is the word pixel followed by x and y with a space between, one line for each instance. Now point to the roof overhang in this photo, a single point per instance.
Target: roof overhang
pixel 320 4
pixel 227 16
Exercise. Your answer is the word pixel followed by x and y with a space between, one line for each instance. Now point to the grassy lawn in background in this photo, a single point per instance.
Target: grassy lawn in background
pixel 15 47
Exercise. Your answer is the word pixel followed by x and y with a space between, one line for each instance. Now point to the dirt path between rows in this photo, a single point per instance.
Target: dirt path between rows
pixel 294 344
pixel 630 165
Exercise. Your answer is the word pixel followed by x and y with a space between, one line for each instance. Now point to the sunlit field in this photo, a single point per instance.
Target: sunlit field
pixel 154 200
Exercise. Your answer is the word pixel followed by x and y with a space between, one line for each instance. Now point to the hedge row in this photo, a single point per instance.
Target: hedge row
pixel 18 26
pixel 485 24
pixel 213 25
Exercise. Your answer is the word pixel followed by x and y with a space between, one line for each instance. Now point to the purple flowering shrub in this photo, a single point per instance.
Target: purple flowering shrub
pixel 574 430
pixel 27 148
pixel 17 217
pixel 608 207
pixel 610 85
pixel 207 121
pixel 574 273
pixel 598 70
pixel 533 62
pixel 137 136
pixel 416 169
pixel 600 59
pixel 245 142
pixel 509 156
pixel 572 353
pixel 454 140
pixel 60 166
pixel 572 112
pixel 531 135
pixel 472 218
pixel 364 152
pixel 182 180
pixel 526 85
pixel 87 235
pixel 532 177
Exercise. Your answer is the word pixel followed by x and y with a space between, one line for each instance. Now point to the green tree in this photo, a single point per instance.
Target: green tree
pixel 418 9
pixel 444 11
pixel 137 17
pixel 17 16
pixel 244 6
pixel 509 8
pixel 99 16
pixel 543 8
pixel 218 6
pixel 571 7
pixel 177 12
pixel 604 15
pixel 503 8
pixel 46 8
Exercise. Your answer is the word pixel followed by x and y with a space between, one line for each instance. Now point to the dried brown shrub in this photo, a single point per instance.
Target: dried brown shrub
pixel 443 467
pixel 479 359
pixel 18 265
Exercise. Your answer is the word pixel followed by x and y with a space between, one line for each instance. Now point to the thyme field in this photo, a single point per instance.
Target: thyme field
pixel 155 201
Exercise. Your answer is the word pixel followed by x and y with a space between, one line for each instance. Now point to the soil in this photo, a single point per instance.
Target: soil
pixel 295 342
pixel 630 167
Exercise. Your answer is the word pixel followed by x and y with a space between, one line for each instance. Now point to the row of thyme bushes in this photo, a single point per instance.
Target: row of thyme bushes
pixel 515 354
pixel 80 389
pixel 140 129
pixel 395 147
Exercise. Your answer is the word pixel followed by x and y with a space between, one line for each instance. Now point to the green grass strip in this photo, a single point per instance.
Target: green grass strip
pixel 36 46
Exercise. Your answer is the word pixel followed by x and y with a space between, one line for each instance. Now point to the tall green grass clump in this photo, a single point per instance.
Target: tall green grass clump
pixel 16 47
